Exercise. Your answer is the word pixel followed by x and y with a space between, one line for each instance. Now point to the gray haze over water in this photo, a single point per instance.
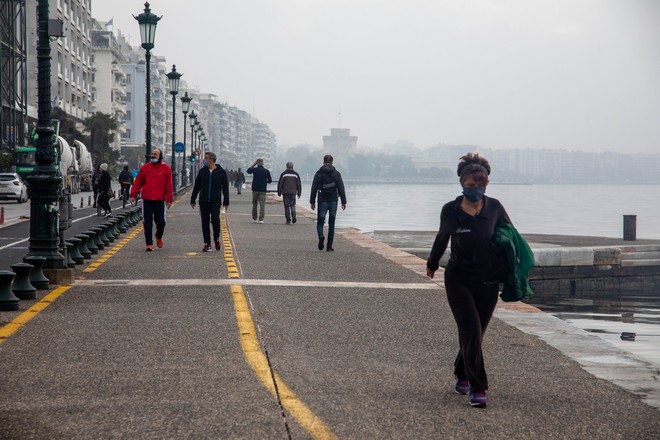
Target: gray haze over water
pixel 560 74
pixel 592 210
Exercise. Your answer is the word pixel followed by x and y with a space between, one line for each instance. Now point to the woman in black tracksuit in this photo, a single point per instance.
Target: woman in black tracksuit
pixel 473 271
pixel 213 188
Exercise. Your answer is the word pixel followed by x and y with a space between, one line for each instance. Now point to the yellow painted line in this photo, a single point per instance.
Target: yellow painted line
pixel 22 319
pixel 255 357
pixel 30 313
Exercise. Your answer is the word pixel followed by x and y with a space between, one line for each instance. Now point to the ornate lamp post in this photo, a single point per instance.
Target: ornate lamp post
pixel 193 124
pixel 148 23
pixel 174 77
pixel 44 182
pixel 185 106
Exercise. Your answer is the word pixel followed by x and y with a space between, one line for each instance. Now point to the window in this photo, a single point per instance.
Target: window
pixel 128 96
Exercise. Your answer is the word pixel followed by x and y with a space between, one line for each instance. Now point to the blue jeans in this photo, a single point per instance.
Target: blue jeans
pixel 289 206
pixel 325 208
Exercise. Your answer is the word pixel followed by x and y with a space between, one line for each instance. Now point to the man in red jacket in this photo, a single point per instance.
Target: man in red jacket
pixel 155 181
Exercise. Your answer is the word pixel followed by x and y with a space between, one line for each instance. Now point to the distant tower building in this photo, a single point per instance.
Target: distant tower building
pixel 340 141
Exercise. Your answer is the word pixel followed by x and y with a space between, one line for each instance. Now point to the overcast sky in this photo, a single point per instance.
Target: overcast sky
pixel 569 74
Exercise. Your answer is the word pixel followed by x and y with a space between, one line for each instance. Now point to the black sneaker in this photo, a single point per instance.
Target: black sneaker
pixel 293 219
pixel 217 245
pixel 329 249
pixel 321 241
pixel 207 248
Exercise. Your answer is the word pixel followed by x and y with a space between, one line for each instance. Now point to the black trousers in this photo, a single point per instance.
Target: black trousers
pixel 210 212
pixel 153 211
pixel 472 303
pixel 104 201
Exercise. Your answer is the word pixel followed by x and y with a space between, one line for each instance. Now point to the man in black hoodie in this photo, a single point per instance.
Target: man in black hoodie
pixel 329 186
pixel 213 188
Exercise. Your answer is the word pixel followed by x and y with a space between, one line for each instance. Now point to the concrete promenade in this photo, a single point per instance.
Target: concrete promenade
pixel 272 338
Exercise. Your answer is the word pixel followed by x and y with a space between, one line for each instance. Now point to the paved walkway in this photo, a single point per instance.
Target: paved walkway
pixel 271 338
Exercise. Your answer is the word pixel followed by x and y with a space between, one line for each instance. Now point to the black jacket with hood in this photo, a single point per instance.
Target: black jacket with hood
pixel 212 186
pixel 328 184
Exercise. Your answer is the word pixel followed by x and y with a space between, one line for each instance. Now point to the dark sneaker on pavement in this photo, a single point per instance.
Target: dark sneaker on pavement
pixel 207 248
pixel 293 219
pixel 321 241
pixel 479 399
pixel 217 245
pixel 462 387
pixel 329 249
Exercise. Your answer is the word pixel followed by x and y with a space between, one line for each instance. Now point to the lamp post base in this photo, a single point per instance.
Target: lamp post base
pixel 44 219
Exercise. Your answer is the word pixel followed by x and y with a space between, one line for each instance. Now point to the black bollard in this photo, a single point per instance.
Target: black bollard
pixel 121 223
pixel 8 301
pixel 37 277
pixel 97 237
pixel 76 256
pixel 82 248
pixel 69 261
pixel 630 227
pixel 90 242
pixel 21 285
pixel 113 228
pixel 104 234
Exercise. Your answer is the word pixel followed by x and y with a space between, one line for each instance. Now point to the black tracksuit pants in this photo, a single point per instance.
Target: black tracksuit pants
pixel 472 303
pixel 210 212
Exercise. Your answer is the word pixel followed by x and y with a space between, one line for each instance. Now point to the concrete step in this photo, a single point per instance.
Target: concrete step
pixel 650 262
pixel 640 255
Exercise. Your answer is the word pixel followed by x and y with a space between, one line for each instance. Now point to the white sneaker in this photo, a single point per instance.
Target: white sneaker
pixel 254 220
pixel 261 221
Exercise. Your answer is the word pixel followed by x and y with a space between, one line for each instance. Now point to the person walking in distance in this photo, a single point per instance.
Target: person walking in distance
pixel 329 186
pixel 125 180
pixel 104 188
pixel 212 186
pixel 260 180
pixel 154 182
pixel 239 180
pixel 471 276
pixel 289 187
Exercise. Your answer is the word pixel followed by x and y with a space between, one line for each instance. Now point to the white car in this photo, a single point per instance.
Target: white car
pixel 12 188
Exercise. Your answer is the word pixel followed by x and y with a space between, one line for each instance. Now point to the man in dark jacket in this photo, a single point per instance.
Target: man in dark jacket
pixel 239 180
pixel 329 186
pixel 260 180
pixel 289 187
pixel 213 188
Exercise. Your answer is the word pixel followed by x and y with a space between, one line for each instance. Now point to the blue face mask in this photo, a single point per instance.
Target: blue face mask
pixel 474 194
pixel 205 162
pixel 154 160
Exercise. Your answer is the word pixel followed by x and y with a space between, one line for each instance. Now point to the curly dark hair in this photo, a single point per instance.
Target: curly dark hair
pixel 474 165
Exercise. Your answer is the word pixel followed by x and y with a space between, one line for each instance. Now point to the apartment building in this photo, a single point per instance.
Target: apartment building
pixel 71 58
pixel 109 79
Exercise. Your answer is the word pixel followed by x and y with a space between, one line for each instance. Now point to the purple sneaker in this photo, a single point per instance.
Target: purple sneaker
pixel 479 399
pixel 462 387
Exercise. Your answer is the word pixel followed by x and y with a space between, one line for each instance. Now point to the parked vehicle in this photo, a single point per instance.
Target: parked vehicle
pixel 12 188
pixel 85 166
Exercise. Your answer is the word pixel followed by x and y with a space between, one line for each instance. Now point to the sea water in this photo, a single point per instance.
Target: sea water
pixel 584 210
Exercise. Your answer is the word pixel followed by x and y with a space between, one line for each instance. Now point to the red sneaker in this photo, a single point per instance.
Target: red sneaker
pixel 217 245
pixel 150 248
pixel 159 242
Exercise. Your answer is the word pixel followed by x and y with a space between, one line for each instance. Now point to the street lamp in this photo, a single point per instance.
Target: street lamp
pixel 148 23
pixel 193 123
pixel 174 77
pixel 44 182
pixel 185 106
